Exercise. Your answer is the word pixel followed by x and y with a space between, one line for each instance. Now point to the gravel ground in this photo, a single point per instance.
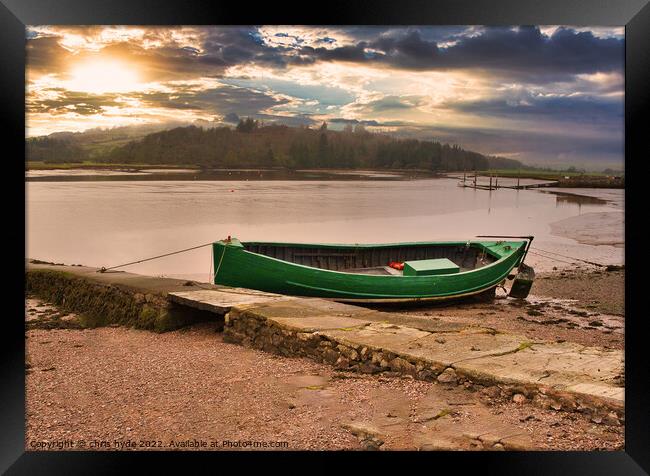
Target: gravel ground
pixel 116 387
pixel 582 306
pixel 603 291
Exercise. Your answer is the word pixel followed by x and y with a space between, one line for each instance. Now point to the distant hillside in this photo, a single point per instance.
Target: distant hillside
pixel 88 145
pixel 503 163
pixel 251 145
pixel 46 149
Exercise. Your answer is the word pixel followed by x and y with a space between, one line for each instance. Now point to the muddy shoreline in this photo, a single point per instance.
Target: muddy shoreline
pixel 586 306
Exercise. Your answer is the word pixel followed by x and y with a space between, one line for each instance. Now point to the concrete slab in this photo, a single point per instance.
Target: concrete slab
pixel 300 308
pixel 572 368
pixel 377 336
pixel 320 323
pixel 421 323
pixel 452 348
pixel 221 301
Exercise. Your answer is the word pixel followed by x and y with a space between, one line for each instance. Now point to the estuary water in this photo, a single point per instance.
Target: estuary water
pixel 106 223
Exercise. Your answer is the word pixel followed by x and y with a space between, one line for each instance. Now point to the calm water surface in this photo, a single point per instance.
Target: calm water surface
pixel 109 223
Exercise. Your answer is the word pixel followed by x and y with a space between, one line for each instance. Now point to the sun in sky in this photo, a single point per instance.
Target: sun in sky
pixel 99 76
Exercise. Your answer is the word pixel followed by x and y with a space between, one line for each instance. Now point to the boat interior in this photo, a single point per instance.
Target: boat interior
pixel 372 260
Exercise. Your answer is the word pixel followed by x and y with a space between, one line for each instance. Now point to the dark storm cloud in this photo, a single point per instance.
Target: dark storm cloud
pixel 71 101
pixel 44 54
pixel 372 33
pixel 340 120
pixel 291 121
pixel 524 52
pixel 577 109
pixel 241 45
pixel 220 100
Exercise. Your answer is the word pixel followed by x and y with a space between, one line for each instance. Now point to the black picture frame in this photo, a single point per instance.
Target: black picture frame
pixel 634 14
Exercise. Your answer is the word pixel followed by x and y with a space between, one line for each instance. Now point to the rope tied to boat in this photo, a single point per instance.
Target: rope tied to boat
pixel 216 271
pixel 104 269
pixel 545 253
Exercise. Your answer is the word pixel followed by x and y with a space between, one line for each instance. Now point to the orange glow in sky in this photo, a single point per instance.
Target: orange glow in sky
pixel 103 76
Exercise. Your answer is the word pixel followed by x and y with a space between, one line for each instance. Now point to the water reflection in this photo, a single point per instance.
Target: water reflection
pixel 569 198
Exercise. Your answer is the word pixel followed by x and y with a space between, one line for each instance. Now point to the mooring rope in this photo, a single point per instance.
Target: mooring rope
pixel 537 251
pixel 104 269
pixel 569 257
pixel 551 258
pixel 216 271
pixel 210 275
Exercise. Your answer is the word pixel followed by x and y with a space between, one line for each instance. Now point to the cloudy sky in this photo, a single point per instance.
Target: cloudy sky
pixel 544 95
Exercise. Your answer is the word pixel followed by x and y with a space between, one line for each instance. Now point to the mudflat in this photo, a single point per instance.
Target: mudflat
pixel 585 306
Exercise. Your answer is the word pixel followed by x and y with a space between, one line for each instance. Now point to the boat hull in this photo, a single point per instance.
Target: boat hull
pixel 237 267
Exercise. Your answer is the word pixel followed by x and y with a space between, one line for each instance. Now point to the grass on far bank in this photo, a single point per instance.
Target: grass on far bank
pixel 545 174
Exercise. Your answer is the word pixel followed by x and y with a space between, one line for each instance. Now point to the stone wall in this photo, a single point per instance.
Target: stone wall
pixel 100 304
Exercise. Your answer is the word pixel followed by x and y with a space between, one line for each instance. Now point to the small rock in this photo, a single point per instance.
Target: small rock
pixel 401 365
pixel 527 418
pixel 612 419
pixel 368 368
pixel 597 419
pixel 448 376
pixel 342 363
pixel 519 398
pixel 330 356
pixel 440 340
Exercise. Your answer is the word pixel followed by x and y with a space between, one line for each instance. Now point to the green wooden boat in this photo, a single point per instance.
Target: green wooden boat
pixel 361 273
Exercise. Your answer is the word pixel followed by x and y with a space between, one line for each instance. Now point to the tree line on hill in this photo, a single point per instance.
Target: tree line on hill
pixel 252 145
pixel 54 150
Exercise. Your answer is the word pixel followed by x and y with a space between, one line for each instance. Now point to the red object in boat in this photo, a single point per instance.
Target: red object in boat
pixel 396 265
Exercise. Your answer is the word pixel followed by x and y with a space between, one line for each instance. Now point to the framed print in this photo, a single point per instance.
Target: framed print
pixel 391 227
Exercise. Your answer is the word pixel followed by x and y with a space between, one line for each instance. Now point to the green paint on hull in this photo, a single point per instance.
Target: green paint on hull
pixel 237 267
